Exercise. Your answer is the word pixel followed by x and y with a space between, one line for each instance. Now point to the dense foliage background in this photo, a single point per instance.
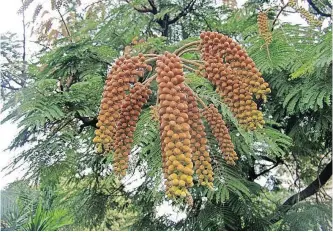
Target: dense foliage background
pixel 54 98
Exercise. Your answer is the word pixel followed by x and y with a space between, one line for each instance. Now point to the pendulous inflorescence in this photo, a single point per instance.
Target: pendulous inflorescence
pixel 123 74
pixel 311 20
pixel 200 154
pixel 233 72
pixel 221 133
pixel 264 30
pixel 130 111
pixel 174 126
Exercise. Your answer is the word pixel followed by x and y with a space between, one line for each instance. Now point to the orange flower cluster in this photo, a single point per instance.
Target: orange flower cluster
pixel 305 14
pixel 130 111
pixel 264 31
pixel 124 72
pixel 221 133
pixel 201 159
pixel 229 67
pixel 174 126
pixel 182 132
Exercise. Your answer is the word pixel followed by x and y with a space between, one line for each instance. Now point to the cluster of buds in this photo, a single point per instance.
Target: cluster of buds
pixel 182 133
pixel 311 20
pixel 174 126
pixel 229 68
pixel 130 111
pixel 221 133
pixel 201 158
pixel 264 31
pixel 123 74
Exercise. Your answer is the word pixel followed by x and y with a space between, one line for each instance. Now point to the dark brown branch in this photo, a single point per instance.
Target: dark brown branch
pixel 253 175
pixel 153 6
pixel 144 9
pixel 183 13
pixel 65 24
pixel 318 10
pixel 268 159
pixel 166 21
pixel 314 187
pixel 278 14
pixel 9 87
pixel 163 23
pixel 8 78
pixel 87 121
pixel 267 170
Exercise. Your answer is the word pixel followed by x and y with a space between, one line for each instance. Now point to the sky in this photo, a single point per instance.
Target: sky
pixel 11 21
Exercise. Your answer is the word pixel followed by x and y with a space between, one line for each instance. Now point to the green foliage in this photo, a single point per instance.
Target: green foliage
pixel 147 140
pixel 27 212
pixel 47 220
pixel 97 203
pixel 308 216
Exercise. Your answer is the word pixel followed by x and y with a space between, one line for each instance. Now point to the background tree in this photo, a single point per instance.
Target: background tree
pixel 57 109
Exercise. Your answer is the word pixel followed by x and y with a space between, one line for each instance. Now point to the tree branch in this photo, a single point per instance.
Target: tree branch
pixel 144 9
pixel 314 187
pixel 183 13
pixel 8 77
pixel 9 87
pixel 24 40
pixel 63 21
pixel 317 9
pixel 278 14
pixel 40 44
pixel 165 22
pixel 153 6
pixel 268 159
pixel 204 18
pixel 24 77
pixel 267 170
pixel 253 175
pixel 87 121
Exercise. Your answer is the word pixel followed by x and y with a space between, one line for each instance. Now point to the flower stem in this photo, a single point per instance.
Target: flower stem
pixel 198 98
pixel 195 43
pixel 190 62
pixel 188 50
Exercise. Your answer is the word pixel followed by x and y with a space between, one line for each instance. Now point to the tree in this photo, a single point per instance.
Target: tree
pixel 59 123
pixel 12 65
pixel 24 210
